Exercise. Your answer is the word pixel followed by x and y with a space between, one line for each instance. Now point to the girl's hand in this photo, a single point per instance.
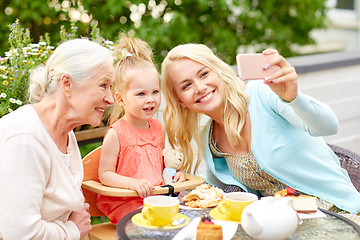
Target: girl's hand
pixel 142 186
pixel 179 176
pixel 284 81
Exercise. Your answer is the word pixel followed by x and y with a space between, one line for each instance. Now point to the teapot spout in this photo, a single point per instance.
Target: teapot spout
pixel 253 227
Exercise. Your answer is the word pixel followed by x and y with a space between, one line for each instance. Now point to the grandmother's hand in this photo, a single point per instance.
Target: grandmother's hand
pixel 82 220
pixel 284 81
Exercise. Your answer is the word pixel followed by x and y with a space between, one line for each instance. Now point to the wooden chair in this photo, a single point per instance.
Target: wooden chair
pixel 91 187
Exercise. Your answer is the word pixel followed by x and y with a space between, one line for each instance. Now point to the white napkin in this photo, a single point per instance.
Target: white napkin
pixel 189 232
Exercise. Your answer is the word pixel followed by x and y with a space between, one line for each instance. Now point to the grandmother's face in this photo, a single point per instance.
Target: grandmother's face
pixel 93 96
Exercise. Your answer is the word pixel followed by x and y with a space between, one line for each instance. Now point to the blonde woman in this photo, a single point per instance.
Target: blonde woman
pixel 262 136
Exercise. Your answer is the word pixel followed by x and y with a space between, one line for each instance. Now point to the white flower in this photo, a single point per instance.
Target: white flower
pixel 42 43
pixel 10 110
pixel 26 49
pixel 12 100
pixel 2 67
pixel 34 45
pixel 3 95
pixel 18 102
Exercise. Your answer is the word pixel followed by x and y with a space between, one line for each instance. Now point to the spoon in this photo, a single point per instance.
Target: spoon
pixel 177 222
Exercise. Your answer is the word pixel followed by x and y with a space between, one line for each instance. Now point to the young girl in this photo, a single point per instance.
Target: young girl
pixel 131 154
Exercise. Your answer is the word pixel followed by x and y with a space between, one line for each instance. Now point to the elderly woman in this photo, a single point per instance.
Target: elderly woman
pixel 40 164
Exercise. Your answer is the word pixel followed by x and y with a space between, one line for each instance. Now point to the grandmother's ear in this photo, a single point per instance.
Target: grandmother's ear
pixel 66 84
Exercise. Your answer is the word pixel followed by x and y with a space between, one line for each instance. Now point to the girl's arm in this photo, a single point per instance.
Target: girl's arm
pixel 107 168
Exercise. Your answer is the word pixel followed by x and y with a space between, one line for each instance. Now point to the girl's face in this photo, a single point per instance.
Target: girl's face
pixel 142 98
pixel 89 100
pixel 197 87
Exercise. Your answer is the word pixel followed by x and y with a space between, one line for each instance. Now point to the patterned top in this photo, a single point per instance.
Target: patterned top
pixel 246 170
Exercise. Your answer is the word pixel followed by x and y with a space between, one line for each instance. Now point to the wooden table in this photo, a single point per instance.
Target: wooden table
pixel 333 226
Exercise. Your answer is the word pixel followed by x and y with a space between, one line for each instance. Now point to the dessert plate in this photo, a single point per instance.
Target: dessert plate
pixel 216 214
pixel 317 214
pixel 189 232
pixel 139 220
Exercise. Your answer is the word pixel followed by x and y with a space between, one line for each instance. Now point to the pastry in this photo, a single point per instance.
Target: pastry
pixel 207 229
pixel 301 203
pixel 203 196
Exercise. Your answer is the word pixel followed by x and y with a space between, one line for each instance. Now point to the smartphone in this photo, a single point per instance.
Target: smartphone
pixel 251 66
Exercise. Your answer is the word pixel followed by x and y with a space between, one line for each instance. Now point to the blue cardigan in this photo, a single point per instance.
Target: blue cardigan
pixel 285 143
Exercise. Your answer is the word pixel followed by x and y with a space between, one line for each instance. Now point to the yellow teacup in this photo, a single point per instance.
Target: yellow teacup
pixel 160 210
pixel 234 203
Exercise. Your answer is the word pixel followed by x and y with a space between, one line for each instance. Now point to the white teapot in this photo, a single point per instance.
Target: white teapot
pixel 270 219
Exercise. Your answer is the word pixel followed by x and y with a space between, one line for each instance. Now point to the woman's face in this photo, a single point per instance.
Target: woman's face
pixel 197 87
pixel 93 96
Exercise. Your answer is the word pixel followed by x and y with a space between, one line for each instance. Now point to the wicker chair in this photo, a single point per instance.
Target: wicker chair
pixel 349 160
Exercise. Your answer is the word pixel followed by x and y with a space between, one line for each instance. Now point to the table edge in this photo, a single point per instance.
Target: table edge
pixel 122 235
pixel 352 223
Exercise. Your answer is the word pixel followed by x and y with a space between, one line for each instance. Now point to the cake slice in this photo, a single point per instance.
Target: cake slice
pixel 207 229
pixel 301 203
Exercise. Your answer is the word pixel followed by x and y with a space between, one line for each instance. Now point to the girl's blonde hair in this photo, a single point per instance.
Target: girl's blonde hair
pixel 130 53
pixel 182 125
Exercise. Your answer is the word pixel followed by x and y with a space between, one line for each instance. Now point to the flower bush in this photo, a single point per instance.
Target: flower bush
pixel 24 55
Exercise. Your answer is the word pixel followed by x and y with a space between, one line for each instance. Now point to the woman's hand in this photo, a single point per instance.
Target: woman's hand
pixel 142 186
pixel 284 81
pixel 179 176
pixel 82 220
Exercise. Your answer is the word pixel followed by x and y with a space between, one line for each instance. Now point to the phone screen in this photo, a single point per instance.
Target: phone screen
pixel 251 66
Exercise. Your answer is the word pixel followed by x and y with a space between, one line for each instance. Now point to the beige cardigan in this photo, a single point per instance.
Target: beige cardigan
pixel 39 185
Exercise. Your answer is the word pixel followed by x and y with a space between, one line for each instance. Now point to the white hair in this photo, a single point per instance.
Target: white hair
pixel 79 58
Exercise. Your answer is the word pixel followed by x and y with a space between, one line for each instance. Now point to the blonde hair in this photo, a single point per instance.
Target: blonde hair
pixel 79 58
pixel 130 53
pixel 182 125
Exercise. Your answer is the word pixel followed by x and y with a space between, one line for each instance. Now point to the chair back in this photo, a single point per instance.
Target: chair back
pixel 350 161
pixel 91 165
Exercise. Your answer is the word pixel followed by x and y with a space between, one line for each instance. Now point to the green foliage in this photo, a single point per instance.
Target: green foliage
pixel 226 26
pixel 25 55
pixel 85 149
pixel 22 56
pixel 248 25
